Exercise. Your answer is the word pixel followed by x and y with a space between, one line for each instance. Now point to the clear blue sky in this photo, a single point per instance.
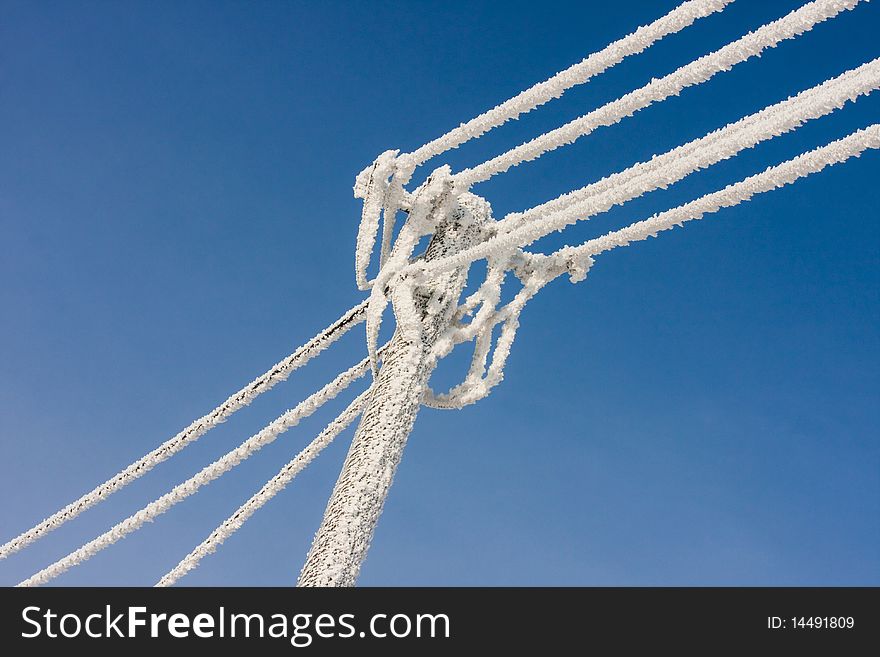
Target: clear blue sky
pixel 176 215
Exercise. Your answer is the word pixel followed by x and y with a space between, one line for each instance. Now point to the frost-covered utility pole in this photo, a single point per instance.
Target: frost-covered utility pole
pixel 432 319
pixel 341 543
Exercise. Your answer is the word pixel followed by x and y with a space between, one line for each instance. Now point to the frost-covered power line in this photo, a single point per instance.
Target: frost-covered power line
pixel 673 166
pixel 644 37
pixel 382 184
pixel 772 178
pixel 274 486
pixel 424 291
pixel 207 474
pixel 700 70
pixel 809 104
pixel 279 372
pixel 536 270
pixel 503 250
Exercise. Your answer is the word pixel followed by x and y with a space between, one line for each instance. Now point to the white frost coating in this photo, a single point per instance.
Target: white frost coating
pixel 676 20
pixel 700 70
pixel 534 271
pixel 180 492
pixel 194 431
pixel 428 204
pixel 675 165
pixel 425 295
pixel 373 185
pixel 381 185
pixel 822 99
pixel 425 292
pixel 267 492
pixel 422 312
pixel 483 376
pixel 577 260
pixel 503 250
pixel 772 178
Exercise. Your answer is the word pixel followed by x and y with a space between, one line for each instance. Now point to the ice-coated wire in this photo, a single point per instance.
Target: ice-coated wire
pixel 504 252
pixel 382 184
pixel 598 62
pixel 772 178
pixel 536 270
pixel 401 276
pixel 194 431
pixel 673 166
pixel 207 474
pixel 698 71
pixel 274 486
pixel 830 94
